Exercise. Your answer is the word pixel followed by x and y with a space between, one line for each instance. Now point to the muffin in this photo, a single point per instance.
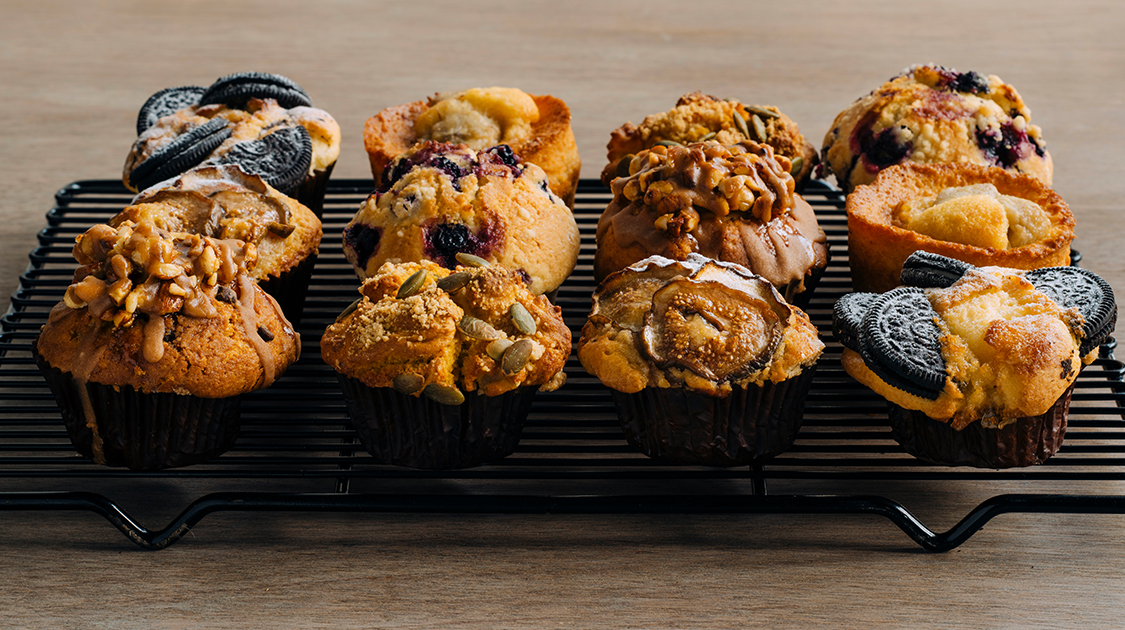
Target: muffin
pixel 439 200
pixel 733 203
pixel 438 368
pixel 931 114
pixel 699 117
pixel 982 215
pixel 155 342
pixel 263 122
pixel 537 128
pixel 223 202
pixel 977 364
pixel 707 364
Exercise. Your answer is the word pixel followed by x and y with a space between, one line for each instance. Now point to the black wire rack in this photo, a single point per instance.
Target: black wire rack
pixel 572 459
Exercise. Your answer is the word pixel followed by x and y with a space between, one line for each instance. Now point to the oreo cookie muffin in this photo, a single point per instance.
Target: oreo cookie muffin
pixel 983 215
pixel 439 367
pixel 733 203
pixel 698 117
pixel 155 342
pixel 977 363
pixel 537 128
pixel 263 122
pixel 440 200
pixel 707 364
pixel 931 114
pixel 223 202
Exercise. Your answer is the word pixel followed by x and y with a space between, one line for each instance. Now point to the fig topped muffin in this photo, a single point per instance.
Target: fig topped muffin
pixel 440 200
pixel 698 117
pixel 931 114
pixel 537 128
pixel 733 203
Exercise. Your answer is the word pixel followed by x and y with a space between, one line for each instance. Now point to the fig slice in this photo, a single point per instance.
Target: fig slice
pixel 716 331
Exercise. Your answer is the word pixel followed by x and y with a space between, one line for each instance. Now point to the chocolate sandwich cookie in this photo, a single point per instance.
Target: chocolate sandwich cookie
pixel 281 158
pixel 167 101
pixel 235 90
pixel 181 154
pixel 847 317
pixel 899 342
pixel 1074 287
pixel 926 270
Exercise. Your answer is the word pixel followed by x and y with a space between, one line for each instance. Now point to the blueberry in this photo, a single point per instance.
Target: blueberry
pixel 1006 146
pixel 970 83
pixel 362 240
pixel 506 155
pixel 443 241
pixel 884 149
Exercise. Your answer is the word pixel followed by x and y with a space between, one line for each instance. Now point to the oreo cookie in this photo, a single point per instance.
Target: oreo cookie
pixel 1074 287
pixel 847 317
pixel 931 271
pixel 899 342
pixel 167 101
pixel 181 154
pixel 282 158
pixel 235 90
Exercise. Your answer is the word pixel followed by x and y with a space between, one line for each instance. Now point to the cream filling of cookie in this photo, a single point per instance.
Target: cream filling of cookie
pixel 479 117
pixel 976 215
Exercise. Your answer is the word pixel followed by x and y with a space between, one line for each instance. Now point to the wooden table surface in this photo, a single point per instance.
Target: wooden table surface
pixel 73 76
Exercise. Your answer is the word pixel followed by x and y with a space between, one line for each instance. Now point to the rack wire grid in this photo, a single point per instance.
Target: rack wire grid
pixel 572 457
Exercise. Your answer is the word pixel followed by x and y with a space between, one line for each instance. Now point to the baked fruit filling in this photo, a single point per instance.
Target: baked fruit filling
pixel 976 215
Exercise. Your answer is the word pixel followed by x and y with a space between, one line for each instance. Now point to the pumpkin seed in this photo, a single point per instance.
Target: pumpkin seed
pixel 443 394
pixel 454 282
pixel 759 128
pixel 470 260
pixel 523 320
pixel 708 136
pixel 412 285
pixel 496 349
pixel 623 165
pixel 798 164
pixel 477 328
pixel 408 383
pixel 740 122
pixel 347 311
pixel 762 111
pixel 667 143
pixel 516 356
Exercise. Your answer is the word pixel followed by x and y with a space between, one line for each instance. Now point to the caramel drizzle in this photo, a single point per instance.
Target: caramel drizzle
pixel 246 301
pixel 84 363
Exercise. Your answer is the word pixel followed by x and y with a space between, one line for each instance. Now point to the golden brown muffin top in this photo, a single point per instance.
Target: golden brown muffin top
pixel 225 203
pixel 167 312
pixel 698 324
pixel 423 329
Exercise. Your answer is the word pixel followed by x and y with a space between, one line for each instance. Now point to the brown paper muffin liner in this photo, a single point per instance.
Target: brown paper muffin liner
pixel 1027 441
pixel 417 432
pixel 139 430
pixel 310 192
pixel 680 426
pixel 290 288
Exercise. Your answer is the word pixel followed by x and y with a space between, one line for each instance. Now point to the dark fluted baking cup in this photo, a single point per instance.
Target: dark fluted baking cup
pixel 1027 441
pixel 290 288
pixel 811 280
pixel 417 432
pixel 310 192
pixel 680 426
pixel 139 430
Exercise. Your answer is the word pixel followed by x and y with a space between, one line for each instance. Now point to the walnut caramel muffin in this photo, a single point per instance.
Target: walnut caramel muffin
pixel 698 117
pixel 537 128
pixel 733 203
pixel 930 114
pixel 439 368
pixel 706 362
pixel 155 342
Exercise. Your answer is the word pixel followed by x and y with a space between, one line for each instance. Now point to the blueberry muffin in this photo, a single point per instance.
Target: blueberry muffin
pixel 155 342
pixel 931 114
pixel 262 122
pixel 438 367
pixel 707 364
pixel 698 117
pixel 733 203
pixel 537 128
pixel 983 215
pixel 977 363
pixel 440 200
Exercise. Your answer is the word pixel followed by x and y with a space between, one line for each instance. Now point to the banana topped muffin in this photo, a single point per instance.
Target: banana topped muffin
pixel 155 341
pixel 438 200
pixel 537 128
pixel 932 114
pixel 698 117
pixel 733 203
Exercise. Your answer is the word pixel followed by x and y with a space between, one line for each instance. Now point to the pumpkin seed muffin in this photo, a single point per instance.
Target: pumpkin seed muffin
pixel 706 362
pixel 438 367
pixel 537 128
pixel 931 114
pixel 155 341
pixel 223 202
pixel 439 200
pixel 698 117
pixel 733 203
